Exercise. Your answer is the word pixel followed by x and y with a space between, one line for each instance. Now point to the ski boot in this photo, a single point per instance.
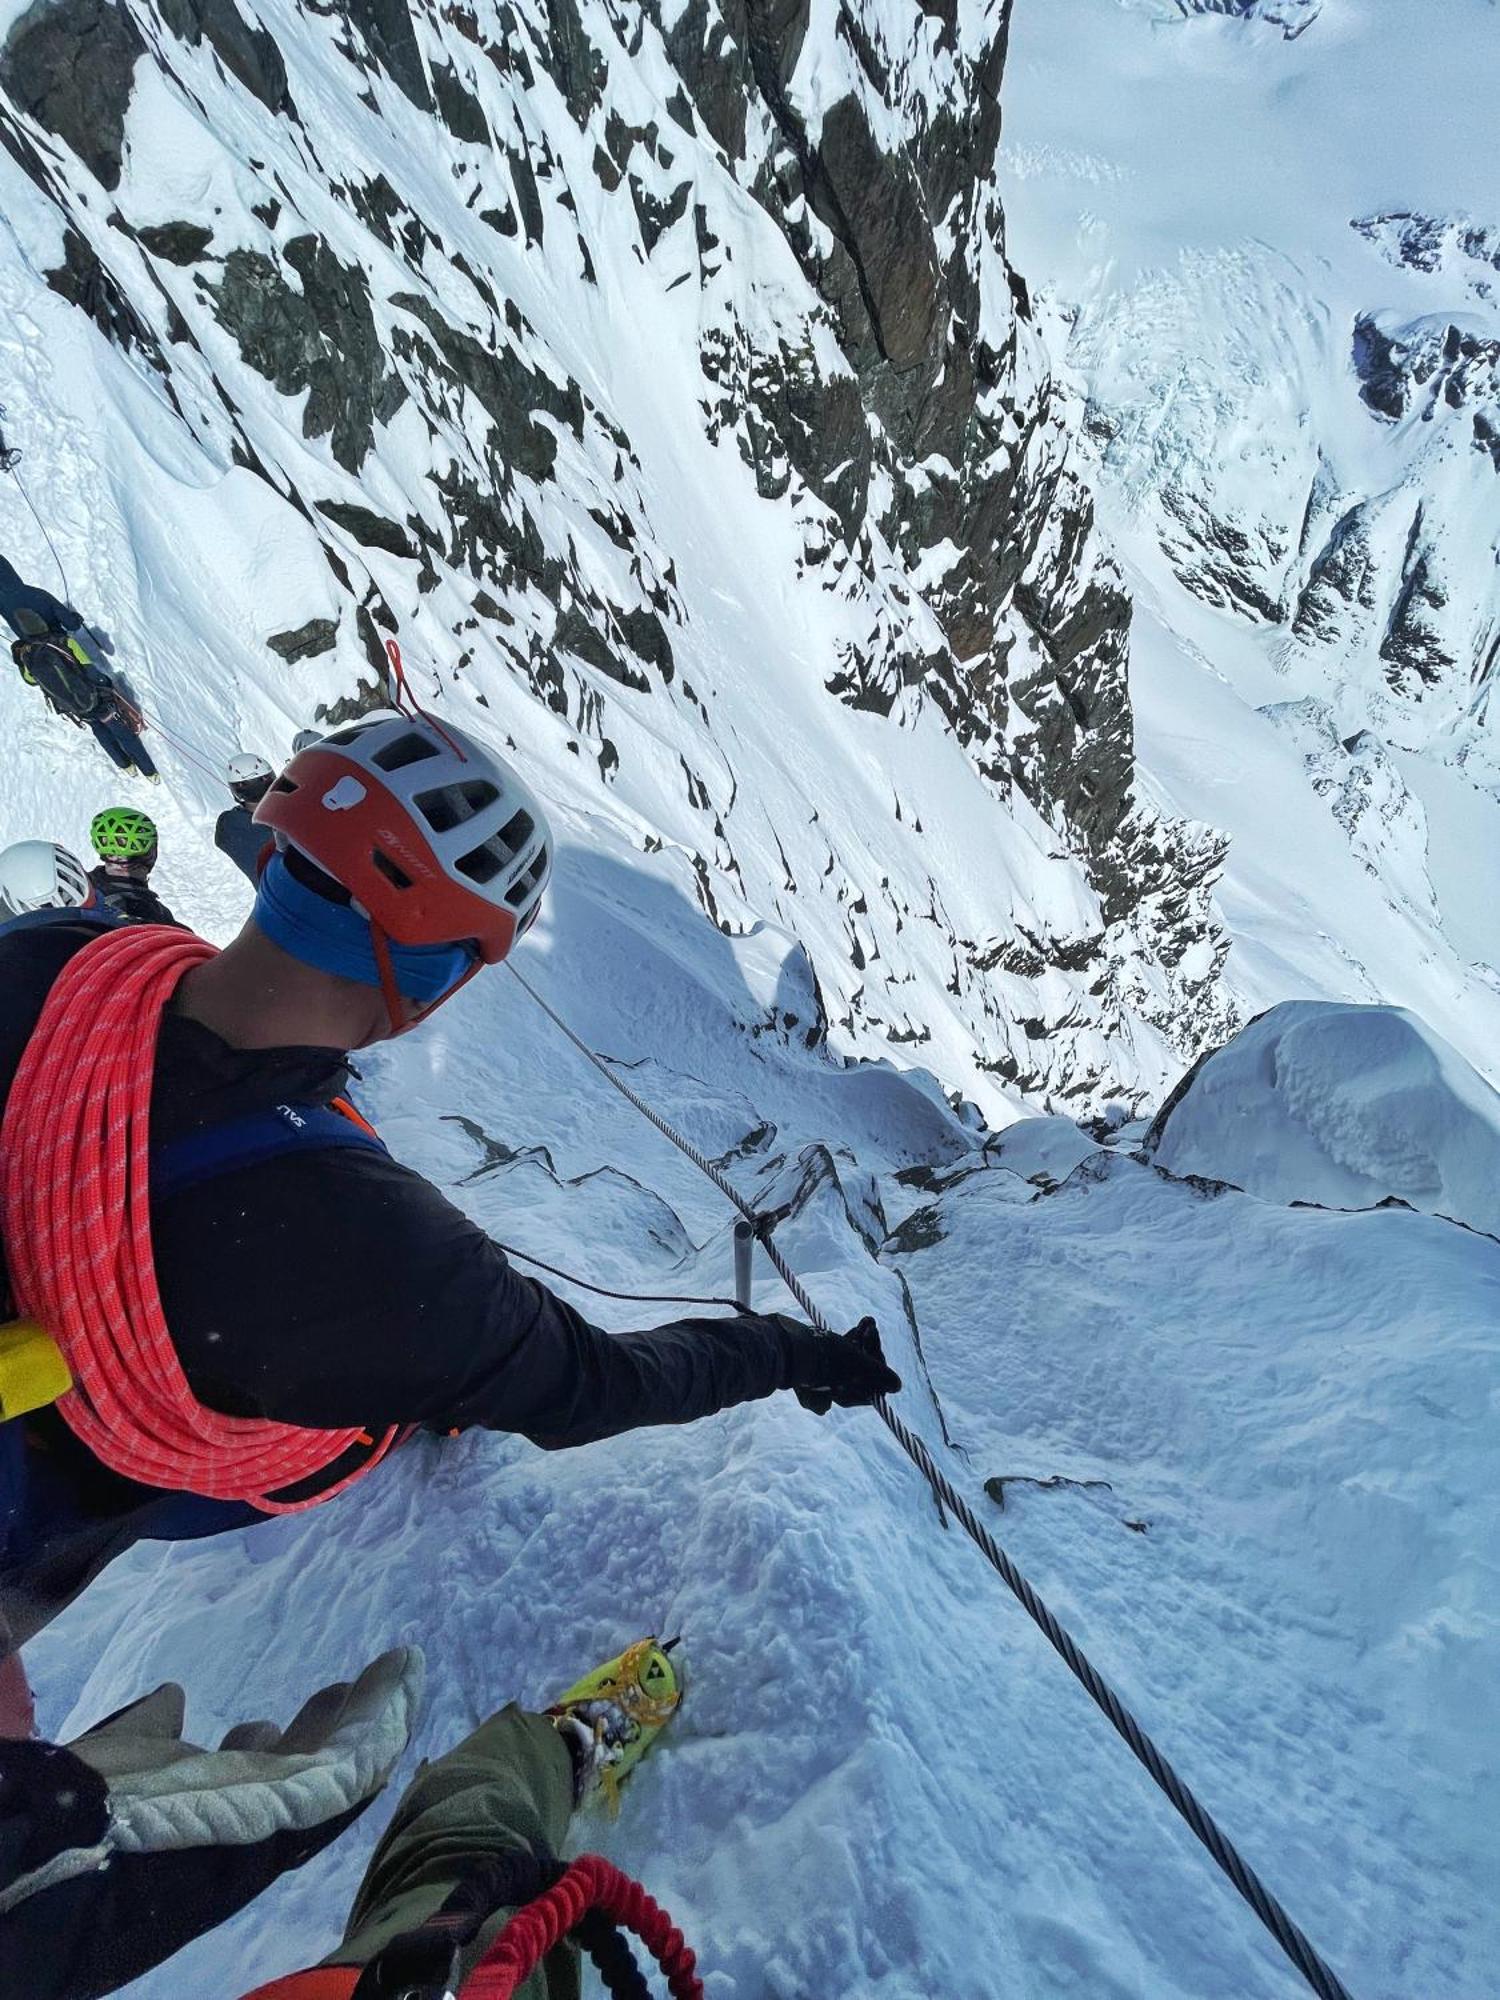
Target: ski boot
pixel 612 1716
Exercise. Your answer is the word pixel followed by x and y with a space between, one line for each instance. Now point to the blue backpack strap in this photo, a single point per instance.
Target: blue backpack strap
pixel 246 1141
pixel 97 914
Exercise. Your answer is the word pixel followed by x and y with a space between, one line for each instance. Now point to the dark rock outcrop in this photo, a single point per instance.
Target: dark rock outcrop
pixel 318 635
pixel 86 282
pixel 510 391
pixel 250 54
pixel 385 27
pixel 71 65
pixel 178 242
pixel 1424 367
pixel 1293 17
pixel 371 530
pixel 321 338
pixel 927 406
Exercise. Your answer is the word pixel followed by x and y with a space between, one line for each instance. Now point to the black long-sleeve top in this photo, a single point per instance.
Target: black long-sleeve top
pixel 342 1289
pixel 132 898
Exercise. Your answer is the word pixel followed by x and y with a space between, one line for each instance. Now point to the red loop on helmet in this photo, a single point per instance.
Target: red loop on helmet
pixel 407 703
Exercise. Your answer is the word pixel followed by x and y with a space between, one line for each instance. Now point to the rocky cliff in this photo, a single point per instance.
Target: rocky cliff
pixel 444 238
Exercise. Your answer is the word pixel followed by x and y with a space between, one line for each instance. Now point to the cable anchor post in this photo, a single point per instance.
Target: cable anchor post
pixel 745 1234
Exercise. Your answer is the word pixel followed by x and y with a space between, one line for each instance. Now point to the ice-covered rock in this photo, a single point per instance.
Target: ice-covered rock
pixel 1342 1107
pixel 1293 17
pixel 1453 244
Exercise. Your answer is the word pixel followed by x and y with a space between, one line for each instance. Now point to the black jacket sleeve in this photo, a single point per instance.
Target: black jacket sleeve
pixel 340 1288
pixel 18 596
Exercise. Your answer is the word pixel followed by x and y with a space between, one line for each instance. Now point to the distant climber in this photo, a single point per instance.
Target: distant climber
pixel 305 739
pixel 302 1296
pixel 235 833
pixel 53 655
pixel 40 875
pixel 119 1848
pixel 125 842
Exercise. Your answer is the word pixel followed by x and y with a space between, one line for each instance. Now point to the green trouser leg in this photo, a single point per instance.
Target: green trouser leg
pixel 508 1787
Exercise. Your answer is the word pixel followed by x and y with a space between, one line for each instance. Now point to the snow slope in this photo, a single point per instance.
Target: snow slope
pixel 883 1783
pixel 1265 239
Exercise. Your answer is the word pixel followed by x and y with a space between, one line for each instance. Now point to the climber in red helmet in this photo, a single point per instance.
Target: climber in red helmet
pixel 299 1296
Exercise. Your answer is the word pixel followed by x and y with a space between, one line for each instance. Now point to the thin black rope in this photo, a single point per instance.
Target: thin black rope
pixel 613 1958
pixel 1297 1946
pixel 11 457
pixel 604 1292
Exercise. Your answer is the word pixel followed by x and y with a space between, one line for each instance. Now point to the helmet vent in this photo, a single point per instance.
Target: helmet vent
pixel 408 749
pixel 389 870
pixel 516 832
pixel 483 864
pixel 518 892
pixel 451 805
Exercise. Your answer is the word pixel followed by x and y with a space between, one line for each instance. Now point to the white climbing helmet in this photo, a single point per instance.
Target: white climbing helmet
pixel 305 739
pixel 248 777
pixel 40 875
pixel 436 839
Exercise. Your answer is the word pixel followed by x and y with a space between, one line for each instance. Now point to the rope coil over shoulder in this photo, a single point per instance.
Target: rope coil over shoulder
pixel 75 1212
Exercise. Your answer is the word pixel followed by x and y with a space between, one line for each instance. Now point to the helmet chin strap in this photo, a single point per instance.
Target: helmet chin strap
pixel 390 992
pixel 395 1000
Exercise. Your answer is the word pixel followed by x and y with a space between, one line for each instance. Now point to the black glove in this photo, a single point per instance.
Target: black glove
pixel 827 1368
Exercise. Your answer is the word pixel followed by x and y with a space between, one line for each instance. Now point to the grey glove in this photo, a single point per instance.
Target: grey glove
pixel 119 1848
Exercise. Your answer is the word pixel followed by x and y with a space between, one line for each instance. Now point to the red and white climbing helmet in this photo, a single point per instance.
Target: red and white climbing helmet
pixel 435 838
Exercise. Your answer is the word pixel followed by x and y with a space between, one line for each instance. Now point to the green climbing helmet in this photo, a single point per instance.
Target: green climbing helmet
pixel 120 833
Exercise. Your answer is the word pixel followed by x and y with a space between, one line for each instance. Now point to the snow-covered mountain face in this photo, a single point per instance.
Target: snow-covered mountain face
pixel 1266 237
pixel 658 374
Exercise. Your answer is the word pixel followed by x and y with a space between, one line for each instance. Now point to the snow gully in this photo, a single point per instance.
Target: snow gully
pixel 1299 1948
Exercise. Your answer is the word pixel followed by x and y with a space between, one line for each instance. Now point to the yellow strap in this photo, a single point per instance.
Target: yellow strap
pixel 33 1372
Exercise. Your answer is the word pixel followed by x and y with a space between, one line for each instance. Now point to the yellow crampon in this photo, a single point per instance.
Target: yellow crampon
pixel 627 1703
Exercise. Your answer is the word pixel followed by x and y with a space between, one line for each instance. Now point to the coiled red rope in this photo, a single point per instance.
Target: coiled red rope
pixel 591 1883
pixel 75 1213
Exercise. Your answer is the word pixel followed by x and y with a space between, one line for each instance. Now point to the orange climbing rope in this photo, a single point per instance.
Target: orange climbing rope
pixel 75 1214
